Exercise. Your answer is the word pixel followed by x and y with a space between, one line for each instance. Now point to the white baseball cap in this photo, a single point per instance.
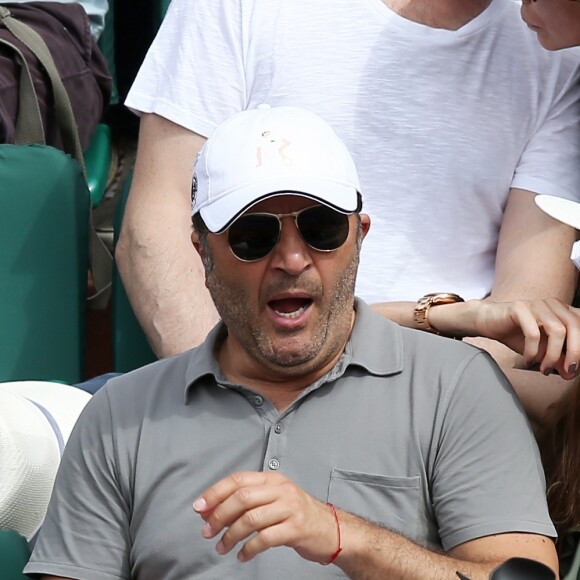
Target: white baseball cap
pixel 271 151
pixel 36 419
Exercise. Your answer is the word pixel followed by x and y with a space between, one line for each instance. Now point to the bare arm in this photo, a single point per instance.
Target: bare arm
pixel 533 262
pixel 372 553
pixel 255 511
pixel 160 269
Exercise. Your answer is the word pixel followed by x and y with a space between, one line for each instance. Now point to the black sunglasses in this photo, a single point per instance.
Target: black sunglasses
pixel 253 236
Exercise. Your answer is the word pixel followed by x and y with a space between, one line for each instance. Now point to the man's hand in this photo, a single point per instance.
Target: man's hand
pixel 264 510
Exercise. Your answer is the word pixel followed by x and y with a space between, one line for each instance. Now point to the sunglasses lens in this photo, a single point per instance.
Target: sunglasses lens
pixel 323 228
pixel 252 237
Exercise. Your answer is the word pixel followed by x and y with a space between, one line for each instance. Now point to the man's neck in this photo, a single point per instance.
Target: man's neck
pixel 280 388
pixel 447 14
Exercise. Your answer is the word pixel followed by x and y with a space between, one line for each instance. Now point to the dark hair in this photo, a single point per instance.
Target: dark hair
pixel 199 225
pixel 560 446
pixel 202 232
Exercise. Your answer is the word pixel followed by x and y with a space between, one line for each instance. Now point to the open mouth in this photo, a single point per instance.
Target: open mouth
pixel 290 308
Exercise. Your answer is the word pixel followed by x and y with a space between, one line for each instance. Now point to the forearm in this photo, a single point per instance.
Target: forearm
pixel 160 268
pixel 255 511
pixel 399 312
pixel 373 553
pixel 459 319
pixel 165 284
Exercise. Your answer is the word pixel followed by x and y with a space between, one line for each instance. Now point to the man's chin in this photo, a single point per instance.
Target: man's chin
pixel 290 361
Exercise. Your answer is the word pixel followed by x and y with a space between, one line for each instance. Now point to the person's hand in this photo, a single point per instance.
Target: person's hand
pixel 546 332
pixel 265 510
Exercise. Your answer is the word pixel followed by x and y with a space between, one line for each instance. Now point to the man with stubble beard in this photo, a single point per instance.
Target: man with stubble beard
pixel 307 437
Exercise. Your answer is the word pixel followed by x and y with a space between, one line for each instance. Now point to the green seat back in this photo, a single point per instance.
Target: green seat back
pixel 107 46
pixel 14 555
pixel 160 8
pixel 98 162
pixel 130 347
pixel 44 209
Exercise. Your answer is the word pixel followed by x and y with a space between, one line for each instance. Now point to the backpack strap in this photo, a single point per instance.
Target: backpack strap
pixel 29 129
pixel 64 113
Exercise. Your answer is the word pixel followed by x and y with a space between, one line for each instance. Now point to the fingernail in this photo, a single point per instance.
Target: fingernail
pixel 199 504
pixel 572 368
pixel 220 548
pixel 206 531
pixel 548 371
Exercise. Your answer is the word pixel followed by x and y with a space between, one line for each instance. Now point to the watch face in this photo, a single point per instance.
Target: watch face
pixel 444 298
pixel 448 297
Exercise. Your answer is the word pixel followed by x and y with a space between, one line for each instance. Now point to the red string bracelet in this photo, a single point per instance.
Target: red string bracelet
pixel 339 550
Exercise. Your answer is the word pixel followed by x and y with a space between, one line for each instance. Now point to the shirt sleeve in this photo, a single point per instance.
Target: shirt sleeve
pixel 193 73
pixel 550 163
pixel 85 534
pixel 488 477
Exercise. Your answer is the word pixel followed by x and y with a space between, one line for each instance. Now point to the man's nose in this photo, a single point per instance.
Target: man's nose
pixel 291 253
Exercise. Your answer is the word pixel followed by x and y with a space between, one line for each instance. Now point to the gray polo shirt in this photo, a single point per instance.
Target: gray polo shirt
pixel 420 434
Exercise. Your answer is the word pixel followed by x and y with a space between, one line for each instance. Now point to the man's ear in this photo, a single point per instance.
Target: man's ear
pixel 196 244
pixel 365 224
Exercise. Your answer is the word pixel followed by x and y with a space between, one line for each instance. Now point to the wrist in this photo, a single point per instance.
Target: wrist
pixel 338 550
pixel 422 313
pixel 458 320
pixel 365 546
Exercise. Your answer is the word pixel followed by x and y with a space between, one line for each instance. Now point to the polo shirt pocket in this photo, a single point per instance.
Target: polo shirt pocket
pixel 391 502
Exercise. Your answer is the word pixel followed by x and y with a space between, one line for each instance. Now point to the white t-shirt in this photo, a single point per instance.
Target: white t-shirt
pixel 440 123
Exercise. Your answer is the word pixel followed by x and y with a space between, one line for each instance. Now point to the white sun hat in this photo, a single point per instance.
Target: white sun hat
pixel 36 419
pixel 561 209
pixel 566 211
pixel 269 151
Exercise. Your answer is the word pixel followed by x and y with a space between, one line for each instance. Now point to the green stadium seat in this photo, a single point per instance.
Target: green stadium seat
pixel 160 8
pixel 98 159
pixel 14 555
pixel 43 264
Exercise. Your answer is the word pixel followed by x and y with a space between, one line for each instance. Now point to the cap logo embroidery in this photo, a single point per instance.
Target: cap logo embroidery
pixel 193 190
pixel 272 150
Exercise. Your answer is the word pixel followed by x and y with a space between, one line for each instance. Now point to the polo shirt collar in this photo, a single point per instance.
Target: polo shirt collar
pixel 375 344
pixel 202 360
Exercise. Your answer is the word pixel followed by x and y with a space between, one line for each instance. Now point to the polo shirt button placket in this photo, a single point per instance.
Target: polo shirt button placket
pixel 278 429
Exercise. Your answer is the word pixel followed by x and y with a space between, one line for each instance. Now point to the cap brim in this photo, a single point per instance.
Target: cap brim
pixel 564 210
pixel 222 212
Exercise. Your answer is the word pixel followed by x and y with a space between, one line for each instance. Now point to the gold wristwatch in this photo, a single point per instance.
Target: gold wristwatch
pixel 421 314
